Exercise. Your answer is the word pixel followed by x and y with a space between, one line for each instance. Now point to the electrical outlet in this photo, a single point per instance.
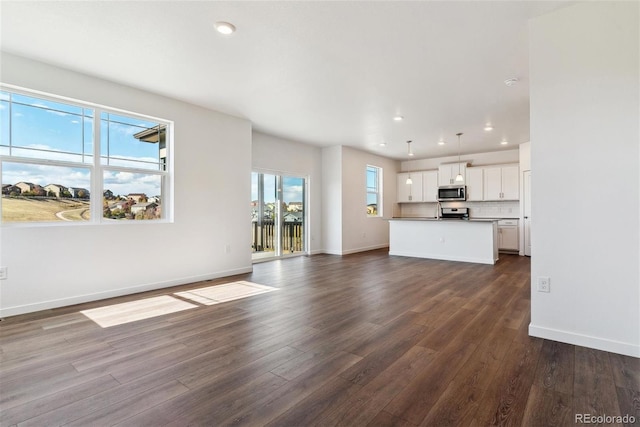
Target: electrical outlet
pixel 544 284
pixel 4 273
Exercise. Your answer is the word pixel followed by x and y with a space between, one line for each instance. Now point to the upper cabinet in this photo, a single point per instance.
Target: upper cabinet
pixel 423 187
pixel 447 173
pixel 485 183
pixel 409 192
pixel 430 186
pixel 501 183
pixel 475 184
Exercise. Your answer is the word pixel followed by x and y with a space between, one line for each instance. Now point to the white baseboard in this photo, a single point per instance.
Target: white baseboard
pixel 64 302
pixel 317 252
pixel 351 251
pixel 618 347
pixel 364 249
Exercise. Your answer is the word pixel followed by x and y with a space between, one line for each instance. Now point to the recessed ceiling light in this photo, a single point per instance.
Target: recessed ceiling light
pixel 510 82
pixel 398 118
pixel 383 144
pixel 225 28
pixel 504 142
pixel 488 127
pixel 441 142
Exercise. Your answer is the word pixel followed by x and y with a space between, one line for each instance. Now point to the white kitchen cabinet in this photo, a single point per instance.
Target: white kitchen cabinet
pixel 501 183
pixel 508 239
pixel 447 173
pixel 409 193
pixel 430 186
pixel 511 182
pixel 475 184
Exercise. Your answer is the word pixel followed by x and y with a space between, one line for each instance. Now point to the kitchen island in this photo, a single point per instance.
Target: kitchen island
pixel 474 240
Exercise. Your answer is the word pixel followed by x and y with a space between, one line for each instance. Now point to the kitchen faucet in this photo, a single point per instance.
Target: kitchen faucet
pixel 438 210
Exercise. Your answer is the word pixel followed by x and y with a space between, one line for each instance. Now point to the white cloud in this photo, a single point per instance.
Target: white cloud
pixel 120 183
pixel 12 173
pixel 123 183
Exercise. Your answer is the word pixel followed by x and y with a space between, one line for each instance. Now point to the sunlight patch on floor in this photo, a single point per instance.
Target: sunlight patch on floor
pixel 228 292
pixel 132 311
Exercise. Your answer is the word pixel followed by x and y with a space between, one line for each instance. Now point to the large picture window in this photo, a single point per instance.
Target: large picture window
pixel 58 163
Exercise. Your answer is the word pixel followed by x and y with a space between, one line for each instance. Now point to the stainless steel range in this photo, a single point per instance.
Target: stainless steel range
pixel 455 213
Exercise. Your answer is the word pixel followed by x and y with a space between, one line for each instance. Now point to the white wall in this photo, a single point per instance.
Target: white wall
pixel 477 159
pixel 273 154
pixel 585 194
pixel 332 199
pixel 360 232
pixel 345 224
pixel 212 189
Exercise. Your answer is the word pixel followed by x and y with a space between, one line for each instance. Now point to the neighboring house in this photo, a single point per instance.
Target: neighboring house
pixel 154 199
pixel 293 217
pixel 56 189
pixel 143 207
pixel 136 197
pixel 107 194
pixel 79 192
pixel 122 205
pixel 25 186
pixel 294 207
pixel 10 188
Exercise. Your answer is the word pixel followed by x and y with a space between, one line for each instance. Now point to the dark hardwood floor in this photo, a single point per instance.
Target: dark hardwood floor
pixel 360 340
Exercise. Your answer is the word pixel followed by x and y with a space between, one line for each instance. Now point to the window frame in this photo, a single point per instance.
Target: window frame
pixel 377 192
pixel 95 167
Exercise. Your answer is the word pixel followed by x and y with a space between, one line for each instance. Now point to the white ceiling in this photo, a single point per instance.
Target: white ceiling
pixel 323 73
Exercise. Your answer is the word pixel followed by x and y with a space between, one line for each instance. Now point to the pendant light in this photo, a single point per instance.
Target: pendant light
pixel 409 180
pixel 459 177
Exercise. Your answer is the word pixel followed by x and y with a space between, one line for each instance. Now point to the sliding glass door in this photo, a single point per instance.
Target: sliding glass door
pixel 278 215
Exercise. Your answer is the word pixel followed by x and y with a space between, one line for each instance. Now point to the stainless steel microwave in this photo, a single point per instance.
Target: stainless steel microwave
pixel 448 193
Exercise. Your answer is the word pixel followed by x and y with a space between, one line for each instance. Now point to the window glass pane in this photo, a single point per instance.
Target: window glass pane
pixel 372 178
pixel 43 129
pixel 4 122
pixel 131 142
pixel 374 175
pixel 372 204
pixel 88 139
pixel 41 193
pixel 270 196
pixel 132 196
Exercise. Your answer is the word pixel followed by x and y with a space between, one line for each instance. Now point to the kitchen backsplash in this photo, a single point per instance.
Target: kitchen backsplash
pixel 476 209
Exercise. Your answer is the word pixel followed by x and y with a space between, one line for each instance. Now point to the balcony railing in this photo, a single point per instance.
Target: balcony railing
pixel 264 236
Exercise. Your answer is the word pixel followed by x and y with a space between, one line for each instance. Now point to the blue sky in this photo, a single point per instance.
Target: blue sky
pixel 292 188
pixel 67 131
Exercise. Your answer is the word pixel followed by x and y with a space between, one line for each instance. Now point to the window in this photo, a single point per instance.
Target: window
pixel 72 162
pixel 374 191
